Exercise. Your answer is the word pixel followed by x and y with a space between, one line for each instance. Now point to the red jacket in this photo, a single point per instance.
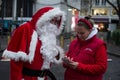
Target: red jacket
pixel 92 57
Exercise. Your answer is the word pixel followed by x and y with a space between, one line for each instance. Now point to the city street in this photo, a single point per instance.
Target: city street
pixel 113 71
pixel 4 70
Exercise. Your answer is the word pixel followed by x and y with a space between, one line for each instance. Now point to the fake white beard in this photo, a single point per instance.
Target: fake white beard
pixel 49 28
pixel 49 48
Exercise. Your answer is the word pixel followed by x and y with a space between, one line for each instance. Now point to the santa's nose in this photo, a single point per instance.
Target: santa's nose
pixel 56 21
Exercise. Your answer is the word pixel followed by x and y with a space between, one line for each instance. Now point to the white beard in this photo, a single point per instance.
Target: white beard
pixel 49 48
pixel 48 28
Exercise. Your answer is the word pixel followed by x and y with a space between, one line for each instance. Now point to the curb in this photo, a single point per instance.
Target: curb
pixel 114 54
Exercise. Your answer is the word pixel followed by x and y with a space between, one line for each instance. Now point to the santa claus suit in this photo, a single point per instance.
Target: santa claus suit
pixel 33 44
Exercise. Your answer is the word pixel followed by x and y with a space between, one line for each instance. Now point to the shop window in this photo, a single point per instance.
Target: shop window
pixel 103 2
pixel 102 27
pixel 99 11
pixel 97 2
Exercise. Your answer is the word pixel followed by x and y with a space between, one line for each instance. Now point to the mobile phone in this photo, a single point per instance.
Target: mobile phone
pixel 65 60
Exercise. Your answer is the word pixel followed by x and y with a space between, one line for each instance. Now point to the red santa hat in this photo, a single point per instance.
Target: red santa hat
pixel 46 14
pixel 39 13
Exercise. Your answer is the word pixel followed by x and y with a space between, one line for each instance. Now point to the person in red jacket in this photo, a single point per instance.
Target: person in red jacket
pixel 86 58
pixel 33 46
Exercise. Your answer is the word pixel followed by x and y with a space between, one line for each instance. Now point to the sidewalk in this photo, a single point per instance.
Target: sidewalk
pixel 3 44
pixel 113 50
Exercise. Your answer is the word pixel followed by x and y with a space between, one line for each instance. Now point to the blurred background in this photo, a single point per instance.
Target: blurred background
pixel 104 13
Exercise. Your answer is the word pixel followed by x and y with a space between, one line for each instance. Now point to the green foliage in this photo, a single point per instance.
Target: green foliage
pixel 116 37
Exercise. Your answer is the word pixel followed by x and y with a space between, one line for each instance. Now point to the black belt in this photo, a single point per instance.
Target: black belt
pixel 38 73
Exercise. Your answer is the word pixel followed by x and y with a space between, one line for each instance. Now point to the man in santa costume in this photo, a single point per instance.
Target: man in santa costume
pixel 33 47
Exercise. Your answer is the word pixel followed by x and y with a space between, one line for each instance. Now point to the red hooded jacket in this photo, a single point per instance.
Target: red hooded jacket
pixel 92 57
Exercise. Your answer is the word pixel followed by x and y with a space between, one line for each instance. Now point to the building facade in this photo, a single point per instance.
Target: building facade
pixel 68 6
pixel 22 10
pixel 102 13
pixel 14 12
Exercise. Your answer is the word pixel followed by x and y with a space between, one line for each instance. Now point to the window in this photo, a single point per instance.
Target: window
pixel 6 8
pixel 97 2
pixel 24 8
pixel 103 2
pixel 114 12
pixel 100 11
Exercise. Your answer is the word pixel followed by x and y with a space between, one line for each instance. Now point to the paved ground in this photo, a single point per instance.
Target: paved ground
pixel 111 74
pixel 111 49
pixel 4 70
pixel 113 70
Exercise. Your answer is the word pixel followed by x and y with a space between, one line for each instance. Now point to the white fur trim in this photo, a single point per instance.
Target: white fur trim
pixel 15 56
pixel 93 32
pixel 40 78
pixel 20 55
pixel 61 52
pixel 32 47
pixel 48 16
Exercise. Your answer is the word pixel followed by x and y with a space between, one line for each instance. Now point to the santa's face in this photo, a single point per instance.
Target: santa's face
pixel 56 21
pixel 52 26
pixel 52 29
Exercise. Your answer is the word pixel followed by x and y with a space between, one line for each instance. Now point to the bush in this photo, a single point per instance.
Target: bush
pixel 116 37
